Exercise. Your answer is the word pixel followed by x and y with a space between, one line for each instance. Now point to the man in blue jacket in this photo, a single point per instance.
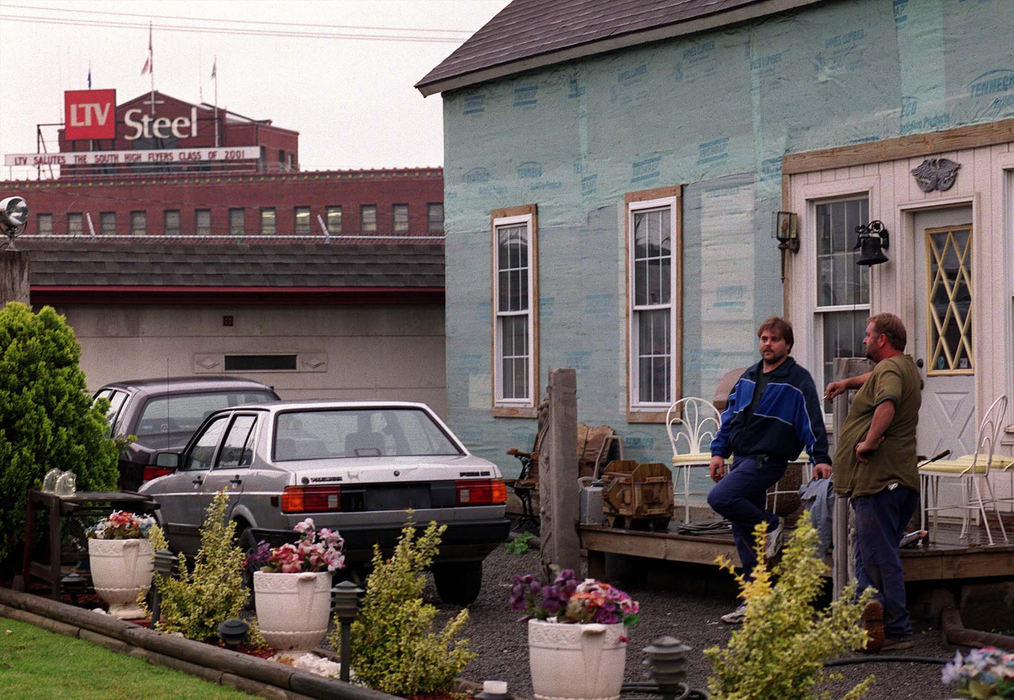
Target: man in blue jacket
pixel 773 413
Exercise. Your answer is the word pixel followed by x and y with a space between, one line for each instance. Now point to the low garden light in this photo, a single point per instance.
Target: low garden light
pixel 164 561
pixel 667 660
pixel 233 631
pixel 345 600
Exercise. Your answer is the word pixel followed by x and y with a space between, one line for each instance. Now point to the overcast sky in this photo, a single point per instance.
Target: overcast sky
pixel 302 64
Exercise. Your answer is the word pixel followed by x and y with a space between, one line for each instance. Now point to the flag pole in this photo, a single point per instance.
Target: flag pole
pixel 214 75
pixel 151 70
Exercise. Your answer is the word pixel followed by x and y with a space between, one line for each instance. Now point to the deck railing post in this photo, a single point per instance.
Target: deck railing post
pixel 558 474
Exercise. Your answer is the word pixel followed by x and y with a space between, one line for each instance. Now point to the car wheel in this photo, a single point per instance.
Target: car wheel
pixel 458 583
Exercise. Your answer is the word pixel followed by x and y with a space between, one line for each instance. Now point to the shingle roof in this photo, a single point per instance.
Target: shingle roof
pixel 87 263
pixel 530 34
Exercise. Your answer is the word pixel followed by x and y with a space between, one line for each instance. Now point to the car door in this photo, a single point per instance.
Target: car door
pixel 233 461
pixel 180 494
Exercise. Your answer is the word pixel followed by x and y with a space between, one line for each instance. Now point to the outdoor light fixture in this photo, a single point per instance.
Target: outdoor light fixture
pixel 13 217
pixel 164 561
pixel 345 601
pixel 786 230
pixel 233 631
pixel 872 242
pixel 493 690
pixel 667 660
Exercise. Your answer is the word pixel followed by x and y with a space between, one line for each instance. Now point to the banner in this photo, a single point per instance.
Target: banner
pixel 180 155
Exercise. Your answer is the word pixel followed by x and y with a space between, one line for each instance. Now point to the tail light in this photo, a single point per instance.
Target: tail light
pixel 311 499
pixel 480 492
pixel 152 472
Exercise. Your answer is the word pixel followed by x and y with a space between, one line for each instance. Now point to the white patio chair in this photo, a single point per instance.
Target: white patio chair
pixel 698 420
pixel 972 471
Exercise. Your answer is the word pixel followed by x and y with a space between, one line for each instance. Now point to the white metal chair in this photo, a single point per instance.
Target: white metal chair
pixel 972 471
pixel 698 422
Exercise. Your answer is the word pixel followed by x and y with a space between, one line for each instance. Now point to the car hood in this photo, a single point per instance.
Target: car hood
pixel 390 469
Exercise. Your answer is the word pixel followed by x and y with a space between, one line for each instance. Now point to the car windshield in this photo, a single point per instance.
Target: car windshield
pixel 359 432
pixel 184 413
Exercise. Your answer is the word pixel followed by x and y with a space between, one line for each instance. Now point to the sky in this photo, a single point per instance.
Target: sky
pixel 340 72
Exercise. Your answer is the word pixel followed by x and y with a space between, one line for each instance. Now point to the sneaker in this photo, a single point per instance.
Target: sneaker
pixel 774 541
pixel 736 617
pixel 911 538
pixel 873 623
pixel 897 644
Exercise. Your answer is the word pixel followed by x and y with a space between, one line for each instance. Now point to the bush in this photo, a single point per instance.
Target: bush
pixel 199 601
pixel 47 419
pixel 780 649
pixel 393 649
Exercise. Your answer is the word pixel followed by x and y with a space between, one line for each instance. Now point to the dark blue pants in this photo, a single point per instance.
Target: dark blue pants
pixel 880 521
pixel 739 497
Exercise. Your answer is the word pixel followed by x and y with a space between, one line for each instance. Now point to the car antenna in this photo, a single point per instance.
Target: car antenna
pixel 168 401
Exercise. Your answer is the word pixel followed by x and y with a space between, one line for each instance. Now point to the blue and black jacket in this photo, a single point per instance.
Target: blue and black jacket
pixel 788 417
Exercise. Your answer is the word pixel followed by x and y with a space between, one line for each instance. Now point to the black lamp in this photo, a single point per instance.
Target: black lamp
pixel 872 242
pixel 786 230
pixel 345 601
pixel 667 659
pixel 164 563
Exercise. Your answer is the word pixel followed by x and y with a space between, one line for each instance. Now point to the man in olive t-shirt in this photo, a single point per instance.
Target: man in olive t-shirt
pixel 875 467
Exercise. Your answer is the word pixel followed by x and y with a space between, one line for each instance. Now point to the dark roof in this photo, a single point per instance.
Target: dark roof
pixel 530 34
pixel 57 262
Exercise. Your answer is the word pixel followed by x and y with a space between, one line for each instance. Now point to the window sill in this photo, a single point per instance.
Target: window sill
pixel 645 416
pixel 515 412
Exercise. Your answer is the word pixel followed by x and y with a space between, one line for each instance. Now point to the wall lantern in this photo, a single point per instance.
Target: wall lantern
pixel 872 242
pixel 786 230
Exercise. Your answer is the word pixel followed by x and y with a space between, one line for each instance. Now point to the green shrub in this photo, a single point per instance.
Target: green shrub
pixel 47 419
pixel 393 649
pixel 197 602
pixel 780 649
pixel 520 544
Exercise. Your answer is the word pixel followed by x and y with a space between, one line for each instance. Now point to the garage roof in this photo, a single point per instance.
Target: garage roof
pixel 62 271
pixel 530 34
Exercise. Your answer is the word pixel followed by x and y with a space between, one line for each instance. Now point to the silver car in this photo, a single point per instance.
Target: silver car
pixel 357 466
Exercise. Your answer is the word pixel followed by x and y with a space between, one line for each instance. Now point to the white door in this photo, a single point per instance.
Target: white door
pixel 943 339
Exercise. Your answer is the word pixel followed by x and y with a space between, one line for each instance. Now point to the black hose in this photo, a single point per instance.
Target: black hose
pixel 882 658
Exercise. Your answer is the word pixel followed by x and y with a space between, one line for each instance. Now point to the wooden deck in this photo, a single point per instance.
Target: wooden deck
pixel 948 557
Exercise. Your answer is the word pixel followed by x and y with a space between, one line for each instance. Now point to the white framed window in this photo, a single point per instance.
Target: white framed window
pixel 842 297
pixel 515 350
pixel 654 303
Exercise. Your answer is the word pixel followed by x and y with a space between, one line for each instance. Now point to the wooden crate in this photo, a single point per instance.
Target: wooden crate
pixel 637 496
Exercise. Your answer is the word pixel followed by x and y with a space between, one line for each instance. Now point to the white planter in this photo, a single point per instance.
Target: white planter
pixel 576 661
pixel 293 610
pixel 121 571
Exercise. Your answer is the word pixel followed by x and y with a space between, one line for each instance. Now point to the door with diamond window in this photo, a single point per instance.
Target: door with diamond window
pixel 943 343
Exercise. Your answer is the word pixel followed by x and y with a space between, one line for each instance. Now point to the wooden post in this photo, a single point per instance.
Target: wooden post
pixel 843 566
pixel 558 474
pixel 14 277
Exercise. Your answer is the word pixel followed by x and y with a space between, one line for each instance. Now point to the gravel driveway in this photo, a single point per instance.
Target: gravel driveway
pixel 681 602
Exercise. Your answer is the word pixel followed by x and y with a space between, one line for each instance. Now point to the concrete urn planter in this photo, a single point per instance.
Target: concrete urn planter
pixel 576 661
pixel 293 610
pixel 121 571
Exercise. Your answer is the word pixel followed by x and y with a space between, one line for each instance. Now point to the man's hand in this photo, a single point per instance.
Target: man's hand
pixel 717 468
pixel 864 448
pixel 835 389
pixel 822 471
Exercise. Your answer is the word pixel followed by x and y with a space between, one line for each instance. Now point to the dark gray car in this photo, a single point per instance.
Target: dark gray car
pixel 358 467
pixel 162 413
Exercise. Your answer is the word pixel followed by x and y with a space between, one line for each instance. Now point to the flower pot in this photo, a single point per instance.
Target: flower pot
pixel 576 661
pixel 293 610
pixel 121 571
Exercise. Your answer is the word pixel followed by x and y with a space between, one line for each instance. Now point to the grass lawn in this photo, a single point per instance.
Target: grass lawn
pixel 36 663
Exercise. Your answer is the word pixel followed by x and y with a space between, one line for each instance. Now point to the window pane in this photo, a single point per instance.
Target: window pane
pixel 107 223
pixel 74 224
pixel 237 222
pixel 435 218
pixel 138 223
pixel 45 224
pixel 840 281
pixel 202 222
pixel 400 215
pixel 171 222
pixel 302 227
pixel 514 362
pixel 334 220
pixel 654 361
pixel 368 218
pixel 268 225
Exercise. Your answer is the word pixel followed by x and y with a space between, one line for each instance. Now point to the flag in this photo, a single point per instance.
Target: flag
pixel 214 68
pixel 148 61
pixel 89 75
